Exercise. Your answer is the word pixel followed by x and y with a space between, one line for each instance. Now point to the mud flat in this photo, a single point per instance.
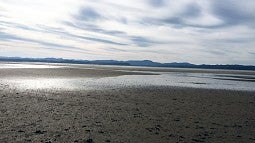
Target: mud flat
pixel 137 113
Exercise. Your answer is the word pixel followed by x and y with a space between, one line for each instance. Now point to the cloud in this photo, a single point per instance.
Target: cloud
pixel 191 10
pixel 190 14
pixel 88 14
pixel 9 37
pixel 17 25
pixel 156 3
pixel 209 31
pixel 63 33
pixel 234 13
pixel 142 41
pixel 94 28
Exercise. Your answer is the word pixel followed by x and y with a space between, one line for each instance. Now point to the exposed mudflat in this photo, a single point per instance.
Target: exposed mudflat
pixel 137 113
pixel 148 114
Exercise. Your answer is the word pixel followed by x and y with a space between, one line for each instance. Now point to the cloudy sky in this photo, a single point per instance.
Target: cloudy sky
pixel 196 31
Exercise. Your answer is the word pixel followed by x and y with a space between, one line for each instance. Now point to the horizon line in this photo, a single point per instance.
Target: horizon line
pixel 119 60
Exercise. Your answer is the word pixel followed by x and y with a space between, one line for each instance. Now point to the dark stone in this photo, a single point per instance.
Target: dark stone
pixel 89 141
pixel 197 140
pixel 21 131
pixel 40 132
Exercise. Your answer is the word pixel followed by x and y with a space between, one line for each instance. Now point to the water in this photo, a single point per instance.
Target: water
pixel 37 66
pixel 177 79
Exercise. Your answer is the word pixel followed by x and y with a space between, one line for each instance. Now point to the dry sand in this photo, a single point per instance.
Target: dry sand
pixel 139 114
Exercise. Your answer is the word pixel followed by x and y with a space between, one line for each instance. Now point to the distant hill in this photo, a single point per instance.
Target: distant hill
pixel 144 63
pixel 147 63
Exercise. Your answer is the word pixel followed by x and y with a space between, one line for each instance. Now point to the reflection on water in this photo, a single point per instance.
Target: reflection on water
pixel 196 80
pixel 180 79
pixel 36 66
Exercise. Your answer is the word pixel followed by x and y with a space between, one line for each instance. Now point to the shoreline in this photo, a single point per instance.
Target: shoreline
pixel 137 68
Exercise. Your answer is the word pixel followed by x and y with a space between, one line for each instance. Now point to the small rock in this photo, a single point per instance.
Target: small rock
pixel 89 141
pixel 21 131
pixel 181 137
pixel 40 132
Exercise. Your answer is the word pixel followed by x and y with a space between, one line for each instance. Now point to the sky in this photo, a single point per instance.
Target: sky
pixel 195 31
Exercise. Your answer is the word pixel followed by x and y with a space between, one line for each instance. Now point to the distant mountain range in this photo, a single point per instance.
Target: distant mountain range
pixel 147 63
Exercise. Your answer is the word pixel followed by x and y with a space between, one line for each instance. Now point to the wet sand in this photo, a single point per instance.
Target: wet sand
pixel 136 114
pixel 148 114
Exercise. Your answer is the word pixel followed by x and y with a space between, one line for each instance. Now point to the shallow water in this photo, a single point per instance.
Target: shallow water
pixel 179 79
pixel 36 66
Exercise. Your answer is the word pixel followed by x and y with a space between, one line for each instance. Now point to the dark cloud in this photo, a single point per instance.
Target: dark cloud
pixel 88 14
pixel 94 28
pixel 63 33
pixel 235 40
pixel 230 12
pixel 191 10
pixel 17 25
pixel 137 40
pixel 216 52
pixel 252 53
pixel 176 22
pixel 141 41
pixel 172 20
pixel 156 3
pixel 10 37
pixel 115 49
pixel 233 12
pixel 98 40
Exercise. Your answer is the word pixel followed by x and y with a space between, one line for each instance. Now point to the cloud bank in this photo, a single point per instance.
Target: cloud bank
pixel 209 31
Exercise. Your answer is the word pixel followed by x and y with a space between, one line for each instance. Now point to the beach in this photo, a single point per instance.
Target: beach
pixel 119 112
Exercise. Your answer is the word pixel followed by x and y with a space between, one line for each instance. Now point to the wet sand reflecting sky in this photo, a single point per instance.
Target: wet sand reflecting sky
pixel 72 77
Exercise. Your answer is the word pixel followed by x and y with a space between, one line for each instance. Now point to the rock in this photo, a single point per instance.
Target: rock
pixel 39 132
pixel 21 131
pixel 89 141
